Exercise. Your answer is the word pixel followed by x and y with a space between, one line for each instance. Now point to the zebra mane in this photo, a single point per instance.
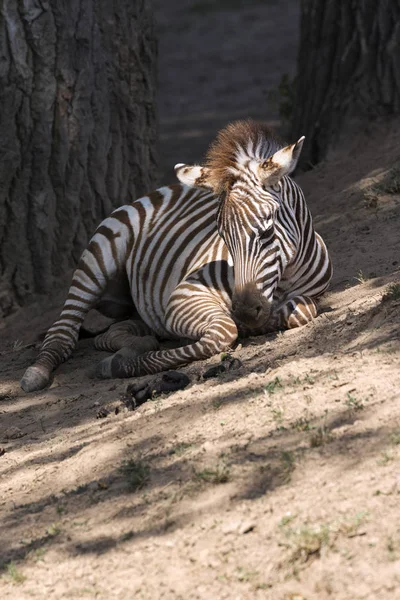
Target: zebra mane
pixel 234 146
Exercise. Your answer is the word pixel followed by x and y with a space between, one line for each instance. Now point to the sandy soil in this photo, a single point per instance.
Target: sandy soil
pixel 279 480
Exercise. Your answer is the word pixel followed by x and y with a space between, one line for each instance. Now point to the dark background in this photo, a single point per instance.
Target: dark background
pixel 219 61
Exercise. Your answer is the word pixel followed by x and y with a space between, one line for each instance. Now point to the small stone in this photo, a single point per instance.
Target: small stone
pixel 227 363
pixel 235 363
pixel 215 371
pixel 172 381
pixel 140 392
pixel 232 526
pixel 143 395
pixel 207 446
pixel 102 413
pixel 246 527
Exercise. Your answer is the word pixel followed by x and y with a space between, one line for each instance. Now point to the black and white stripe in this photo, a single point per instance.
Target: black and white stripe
pixel 188 253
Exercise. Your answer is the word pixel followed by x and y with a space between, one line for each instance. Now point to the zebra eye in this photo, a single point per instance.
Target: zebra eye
pixel 266 234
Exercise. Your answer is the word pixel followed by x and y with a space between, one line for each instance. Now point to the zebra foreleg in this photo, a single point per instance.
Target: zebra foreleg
pixel 63 335
pixel 128 339
pixel 125 334
pixel 104 258
pixel 296 312
pixel 221 333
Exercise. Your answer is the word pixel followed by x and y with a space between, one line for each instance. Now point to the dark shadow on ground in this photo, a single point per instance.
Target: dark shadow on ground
pixel 272 458
pixel 58 410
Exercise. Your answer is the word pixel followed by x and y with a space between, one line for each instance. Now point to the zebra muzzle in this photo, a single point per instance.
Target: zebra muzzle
pixel 249 307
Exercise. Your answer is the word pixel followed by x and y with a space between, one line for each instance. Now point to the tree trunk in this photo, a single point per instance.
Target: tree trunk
pixel 348 69
pixel 77 130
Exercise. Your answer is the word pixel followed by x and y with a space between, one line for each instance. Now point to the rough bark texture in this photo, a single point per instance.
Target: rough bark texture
pixel 77 130
pixel 348 69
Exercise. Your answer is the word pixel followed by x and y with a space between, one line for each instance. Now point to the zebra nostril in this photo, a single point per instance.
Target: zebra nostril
pixel 258 310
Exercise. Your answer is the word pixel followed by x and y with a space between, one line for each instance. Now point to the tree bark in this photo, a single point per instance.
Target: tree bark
pixel 348 69
pixel 77 130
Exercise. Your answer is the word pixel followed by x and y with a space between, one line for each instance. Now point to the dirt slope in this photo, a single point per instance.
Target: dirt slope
pixel 279 480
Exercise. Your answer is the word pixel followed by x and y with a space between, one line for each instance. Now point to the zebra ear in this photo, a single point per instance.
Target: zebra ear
pixel 281 163
pixel 193 175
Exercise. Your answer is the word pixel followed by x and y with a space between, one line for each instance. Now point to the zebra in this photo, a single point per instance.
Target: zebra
pixel 228 251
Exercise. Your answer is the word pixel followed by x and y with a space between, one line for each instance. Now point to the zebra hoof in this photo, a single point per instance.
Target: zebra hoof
pixel 118 366
pixel 35 378
pixel 103 368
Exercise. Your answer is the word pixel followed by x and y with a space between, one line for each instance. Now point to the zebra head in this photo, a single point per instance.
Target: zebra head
pixel 247 168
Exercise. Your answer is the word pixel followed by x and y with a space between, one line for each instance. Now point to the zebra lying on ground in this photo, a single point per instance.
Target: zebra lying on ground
pixel 230 251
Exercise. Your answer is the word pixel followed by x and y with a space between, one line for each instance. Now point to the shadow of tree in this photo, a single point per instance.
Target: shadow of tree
pixel 270 460
pixel 370 329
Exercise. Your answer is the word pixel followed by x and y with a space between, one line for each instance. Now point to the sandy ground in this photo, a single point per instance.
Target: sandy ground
pixel 279 480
